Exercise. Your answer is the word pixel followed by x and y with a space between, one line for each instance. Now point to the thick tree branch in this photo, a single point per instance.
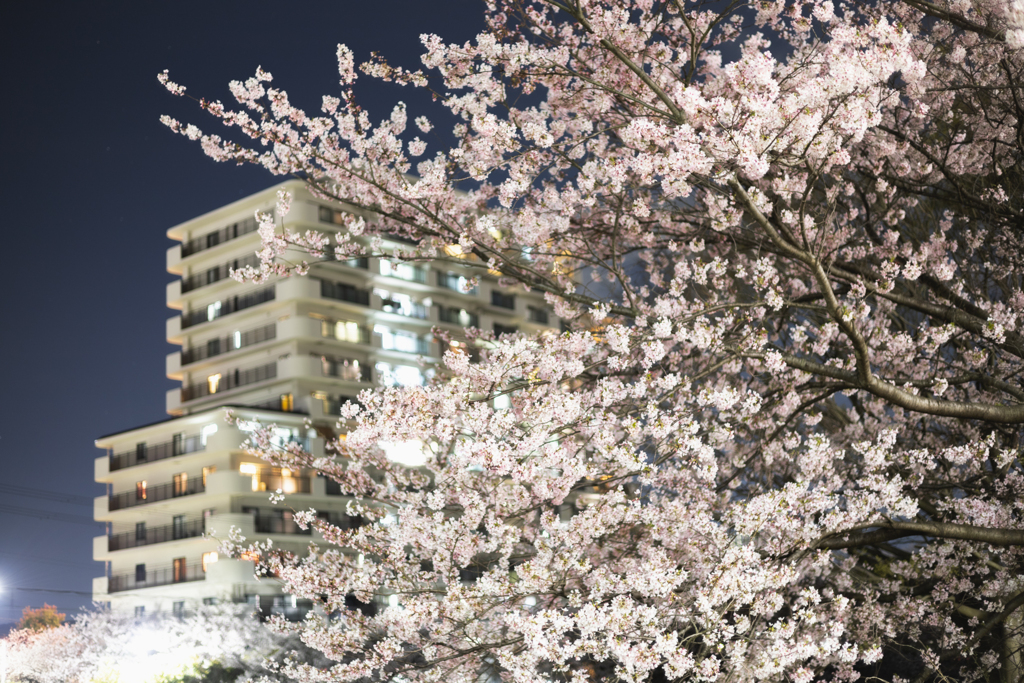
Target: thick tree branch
pixel 894 530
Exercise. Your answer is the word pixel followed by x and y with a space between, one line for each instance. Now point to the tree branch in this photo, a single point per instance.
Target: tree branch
pixel 893 530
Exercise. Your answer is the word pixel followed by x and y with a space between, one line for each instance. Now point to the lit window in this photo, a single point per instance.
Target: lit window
pixel 213 311
pixel 208 559
pixel 249 468
pixel 206 432
pixel 238 339
pixel 206 472
pixel 180 569
pixel 181 484
pixel 249 556
pixel 213 382
pixel 287 403
pixel 346 331
pixel 397 340
pixel 399 375
pixel 140 490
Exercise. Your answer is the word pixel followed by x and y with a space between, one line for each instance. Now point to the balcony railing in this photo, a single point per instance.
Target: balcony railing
pixel 403 307
pixel 229 380
pixel 144 452
pixel 457 316
pixel 271 525
pixel 217 273
pixel 456 283
pixel 273 482
pixel 344 330
pixel 332 403
pixel 155 577
pixel 219 309
pixel 150 535
pixel 212 239
pixel 405 344
pixel 345 368
pixel 342 292
pixel 144 494
pixel 403 271
pixel 239 340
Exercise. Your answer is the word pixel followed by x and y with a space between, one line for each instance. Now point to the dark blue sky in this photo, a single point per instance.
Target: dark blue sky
pixel 90 182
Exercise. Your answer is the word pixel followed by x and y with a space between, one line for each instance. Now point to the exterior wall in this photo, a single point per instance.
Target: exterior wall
pixel 288 357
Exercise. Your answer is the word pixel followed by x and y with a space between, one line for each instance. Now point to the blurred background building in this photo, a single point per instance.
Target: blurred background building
pixel 288 352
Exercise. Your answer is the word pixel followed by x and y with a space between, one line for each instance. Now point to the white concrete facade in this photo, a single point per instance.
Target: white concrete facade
pixel 287 352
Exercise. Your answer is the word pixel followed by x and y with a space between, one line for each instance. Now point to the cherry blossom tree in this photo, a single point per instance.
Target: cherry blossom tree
pixel 780 439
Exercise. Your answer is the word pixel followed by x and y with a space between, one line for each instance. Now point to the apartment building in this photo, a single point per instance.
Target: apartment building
pixel 288 352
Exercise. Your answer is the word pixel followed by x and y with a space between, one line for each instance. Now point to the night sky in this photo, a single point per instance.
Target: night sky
pixel 90 183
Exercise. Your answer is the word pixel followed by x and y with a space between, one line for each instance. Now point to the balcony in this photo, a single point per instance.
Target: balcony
pixel 212 239
pixel 219 309
pixel 403 271
pixel 402 341
pixel 271 525
pixel 218 383
pixel 456 283
pixel 217 273
pixel 340 291
pixel 401 305
pixel 177 573
pixel 144 494
pixel 281 521
pixel 344 368
pixel 220 345
pixel 144 452
pixel 457 316
pixel 344 330
pixel 161 534
pixel 272 481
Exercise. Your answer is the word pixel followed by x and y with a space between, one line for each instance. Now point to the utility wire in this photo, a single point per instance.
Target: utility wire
pixel 55 496
pixel 46 514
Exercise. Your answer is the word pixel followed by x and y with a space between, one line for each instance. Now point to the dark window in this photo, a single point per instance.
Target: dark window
pixel 343 292
pixel 503 300
pixel 140 573
pixel 140 531
pixel 500 329
pixel 537 315
pixel 178 526
pixel 140 452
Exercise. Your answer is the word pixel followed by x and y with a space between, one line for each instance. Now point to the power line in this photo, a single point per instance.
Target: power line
pixel 55 496
pixel 46 514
